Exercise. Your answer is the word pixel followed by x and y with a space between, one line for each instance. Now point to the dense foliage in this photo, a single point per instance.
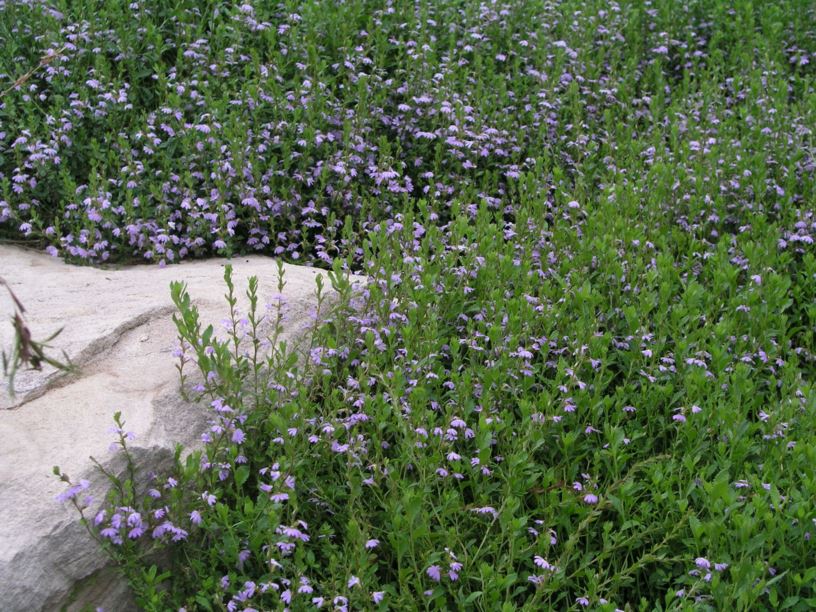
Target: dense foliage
pixel 581 372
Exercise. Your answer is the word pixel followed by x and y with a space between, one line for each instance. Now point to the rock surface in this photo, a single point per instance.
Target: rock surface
pixel 118 330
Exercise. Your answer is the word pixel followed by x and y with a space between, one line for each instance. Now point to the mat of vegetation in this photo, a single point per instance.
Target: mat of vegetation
pixel 581 374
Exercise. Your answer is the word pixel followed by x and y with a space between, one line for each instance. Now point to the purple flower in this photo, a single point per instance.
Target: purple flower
pixel 243 556
pixel 372 543
pixel 73 491
pixel 543 563
pixel 109 532
pixel 434 573
pixel 377 596
pixel 487 510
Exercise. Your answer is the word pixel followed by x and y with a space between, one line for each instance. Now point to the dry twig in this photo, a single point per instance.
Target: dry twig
pixel 25 351
pixel 44 61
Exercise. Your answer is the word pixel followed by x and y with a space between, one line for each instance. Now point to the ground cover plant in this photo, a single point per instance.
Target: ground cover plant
pixel 581 372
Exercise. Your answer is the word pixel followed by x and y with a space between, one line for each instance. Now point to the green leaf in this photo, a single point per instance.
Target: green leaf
pixel 241 475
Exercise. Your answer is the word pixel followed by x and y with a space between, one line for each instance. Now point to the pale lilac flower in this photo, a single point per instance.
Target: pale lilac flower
pixel 543 563
pixel 486 510
pixel 243 556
